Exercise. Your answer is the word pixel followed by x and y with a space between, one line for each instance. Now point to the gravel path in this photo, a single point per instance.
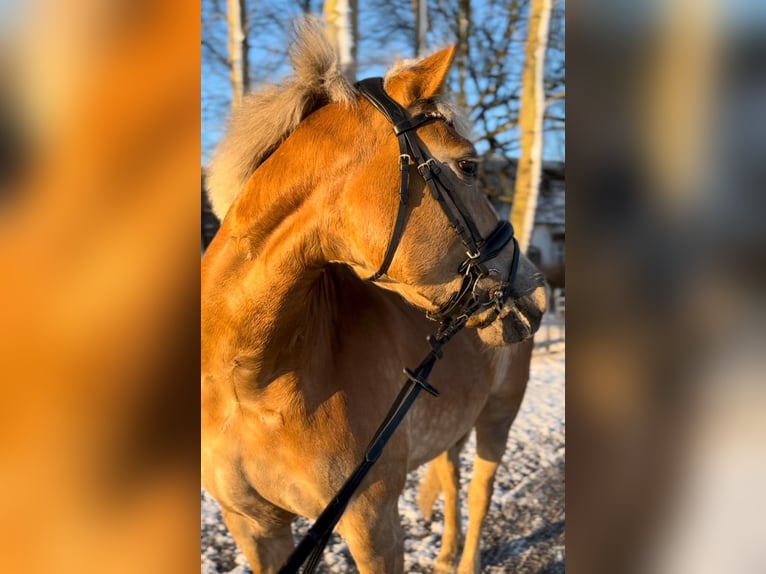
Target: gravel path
pixel 524 529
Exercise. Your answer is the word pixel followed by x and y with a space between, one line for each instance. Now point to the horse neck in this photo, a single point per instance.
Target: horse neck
pixel 261 276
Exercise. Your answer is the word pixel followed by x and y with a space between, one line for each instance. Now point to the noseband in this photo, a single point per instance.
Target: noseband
pixel 466 301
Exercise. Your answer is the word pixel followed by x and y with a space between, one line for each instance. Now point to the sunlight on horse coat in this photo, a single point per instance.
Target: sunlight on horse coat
pixel 300 357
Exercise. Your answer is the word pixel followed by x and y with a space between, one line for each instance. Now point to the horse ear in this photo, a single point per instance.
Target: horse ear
pixel 422 80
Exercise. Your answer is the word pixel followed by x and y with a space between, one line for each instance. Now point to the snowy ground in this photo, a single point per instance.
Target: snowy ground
pixel 524 529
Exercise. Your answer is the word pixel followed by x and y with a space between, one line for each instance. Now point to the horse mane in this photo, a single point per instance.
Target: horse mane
pixel 266 118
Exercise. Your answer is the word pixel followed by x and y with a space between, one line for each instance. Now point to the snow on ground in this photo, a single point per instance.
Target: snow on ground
pixel 524 529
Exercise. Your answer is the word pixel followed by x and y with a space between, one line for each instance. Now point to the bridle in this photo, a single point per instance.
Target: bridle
pixel 452 315
pixel 479 250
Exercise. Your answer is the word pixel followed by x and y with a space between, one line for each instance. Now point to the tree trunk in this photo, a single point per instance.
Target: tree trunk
pixel 532 108
pixel 421 27
pixel 342 31
pixel 463 29
pixel 238 51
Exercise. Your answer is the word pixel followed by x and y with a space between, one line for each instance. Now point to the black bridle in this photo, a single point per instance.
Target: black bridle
pixel 478 249
pixel 452 315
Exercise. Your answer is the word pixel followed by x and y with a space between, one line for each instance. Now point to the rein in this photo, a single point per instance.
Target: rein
pixel 452 316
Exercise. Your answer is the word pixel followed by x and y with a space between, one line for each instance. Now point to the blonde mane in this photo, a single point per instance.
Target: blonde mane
pixel 266 118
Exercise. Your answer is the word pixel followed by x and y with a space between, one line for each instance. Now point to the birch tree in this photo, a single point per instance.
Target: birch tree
pixel 238 50
pixel 532 109
pixel 463 48
pixel 421 27
pixel 342 31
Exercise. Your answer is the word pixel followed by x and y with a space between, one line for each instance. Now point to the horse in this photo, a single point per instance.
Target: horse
pixel 303 341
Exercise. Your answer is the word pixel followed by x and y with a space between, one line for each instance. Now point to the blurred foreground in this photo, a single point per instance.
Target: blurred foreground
pixel 666 258
pixel 99 235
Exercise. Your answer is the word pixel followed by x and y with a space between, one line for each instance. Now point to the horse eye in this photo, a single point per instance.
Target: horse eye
pixel 468 167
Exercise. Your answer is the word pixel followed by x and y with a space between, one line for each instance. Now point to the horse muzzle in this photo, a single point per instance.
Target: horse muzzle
pixel 519 316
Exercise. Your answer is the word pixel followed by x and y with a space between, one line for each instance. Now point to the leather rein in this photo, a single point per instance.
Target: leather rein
pixel 452 315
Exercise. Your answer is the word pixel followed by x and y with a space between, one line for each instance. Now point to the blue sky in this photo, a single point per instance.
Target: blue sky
pixel 376 54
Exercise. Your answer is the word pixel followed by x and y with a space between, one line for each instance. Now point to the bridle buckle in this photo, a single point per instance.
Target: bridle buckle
pixel 428 168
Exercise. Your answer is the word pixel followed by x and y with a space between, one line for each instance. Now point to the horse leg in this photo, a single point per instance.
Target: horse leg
pixel 479 495
pixel 492 428
pixel 430 488
pixel 373 531
pixel 447 467
pixel 444 475
pixel 266 547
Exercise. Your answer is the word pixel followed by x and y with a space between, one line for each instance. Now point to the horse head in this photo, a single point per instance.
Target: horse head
pixel 429 254
pixel 329 166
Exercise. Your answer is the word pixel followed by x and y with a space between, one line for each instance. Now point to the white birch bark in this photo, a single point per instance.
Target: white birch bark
pixel 421 28
pixel 531 123
pixel 238 50
pixel 341 18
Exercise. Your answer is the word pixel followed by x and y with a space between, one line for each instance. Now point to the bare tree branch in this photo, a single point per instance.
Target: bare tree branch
pixel 559 96
pixel 219 56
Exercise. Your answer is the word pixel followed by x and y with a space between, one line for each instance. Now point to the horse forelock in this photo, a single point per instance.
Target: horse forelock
pixel 267 117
